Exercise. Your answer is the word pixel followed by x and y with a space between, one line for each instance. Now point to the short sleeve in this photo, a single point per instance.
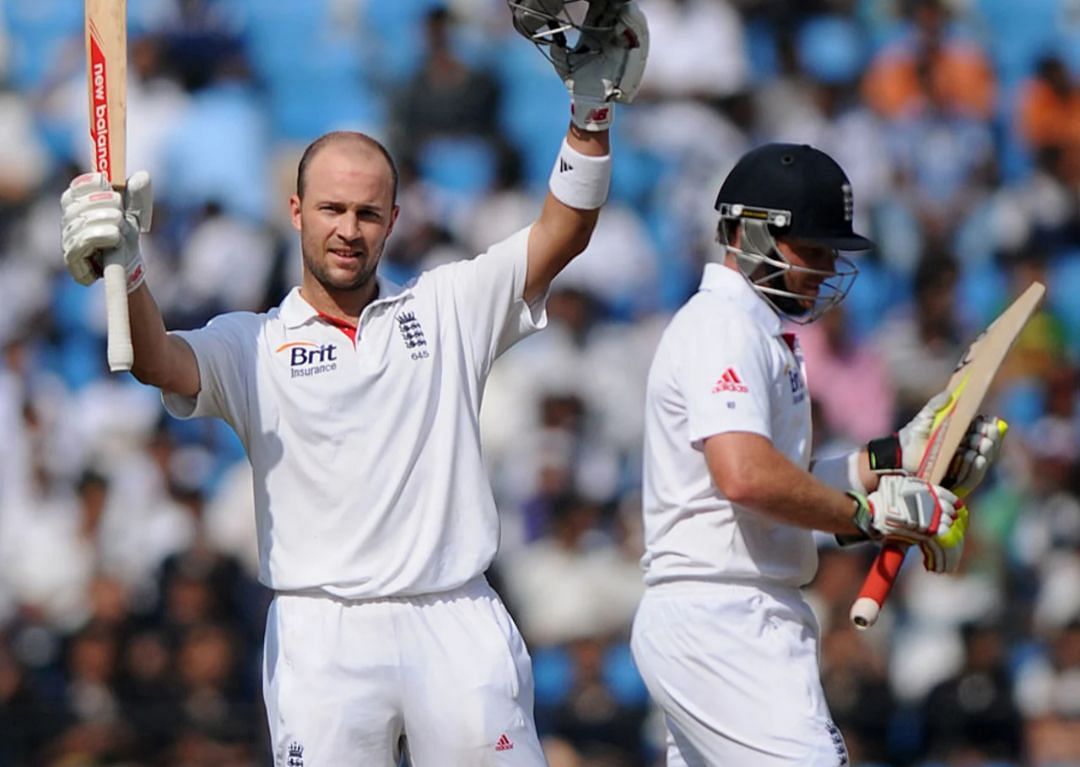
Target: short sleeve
pixel 488 298
pixel 724 374
pixel 225 350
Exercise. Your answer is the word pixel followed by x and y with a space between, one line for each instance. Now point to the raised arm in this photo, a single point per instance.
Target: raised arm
pixel 97 219
pixel 604 66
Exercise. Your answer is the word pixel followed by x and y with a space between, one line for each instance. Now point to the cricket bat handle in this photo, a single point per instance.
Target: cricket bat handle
pixel 120 352
pixel 877 585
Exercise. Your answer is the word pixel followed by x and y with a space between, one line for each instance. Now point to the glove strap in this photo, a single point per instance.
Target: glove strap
pixel 590 115
pixel 862 518
pixel 885 454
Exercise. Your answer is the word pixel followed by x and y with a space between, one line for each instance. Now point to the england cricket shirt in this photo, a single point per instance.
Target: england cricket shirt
pixel 368 475
pixel 722 365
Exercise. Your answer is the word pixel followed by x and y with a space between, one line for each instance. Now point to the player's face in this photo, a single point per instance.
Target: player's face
pixel 346 215
pixel 813 265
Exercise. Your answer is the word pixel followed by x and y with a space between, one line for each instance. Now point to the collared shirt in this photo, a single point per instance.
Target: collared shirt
pixel 722 365
pixel 368 475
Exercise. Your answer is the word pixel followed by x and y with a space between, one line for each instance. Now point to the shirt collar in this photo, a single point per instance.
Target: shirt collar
pixel 730 285
pixel 295 311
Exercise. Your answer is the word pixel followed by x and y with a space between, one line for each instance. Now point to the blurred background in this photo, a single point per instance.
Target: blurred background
pixel 130 620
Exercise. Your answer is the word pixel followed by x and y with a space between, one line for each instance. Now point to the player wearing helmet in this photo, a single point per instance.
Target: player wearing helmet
pixel 723 638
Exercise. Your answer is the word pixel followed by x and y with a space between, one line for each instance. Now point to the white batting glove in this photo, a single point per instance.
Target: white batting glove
pixel 976 453
pixel 905 508
pixel 96 219
pixel 606 65
pixel 942 553
pixel 604 69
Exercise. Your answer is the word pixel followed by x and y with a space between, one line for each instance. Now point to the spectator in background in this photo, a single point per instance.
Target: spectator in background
pixel 945 160
pixel 1048 692
pixel 921 342
pixel 699 50
pixel 930 61
pixel 1049 108
pixel 848 379
pixel 602 727
pixel 971 717
pixel 574 582
pixel 446 97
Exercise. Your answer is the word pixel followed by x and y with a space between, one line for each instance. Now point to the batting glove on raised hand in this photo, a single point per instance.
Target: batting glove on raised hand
pixel 905 508
pixel 608 61
pixel 97 218
pixel 905 450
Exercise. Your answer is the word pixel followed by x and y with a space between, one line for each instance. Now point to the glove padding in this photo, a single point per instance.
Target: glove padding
pixel 977 451
pixel 96 218
pixel 905 508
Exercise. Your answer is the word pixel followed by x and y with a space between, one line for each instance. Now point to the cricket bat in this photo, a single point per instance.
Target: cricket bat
pixel 106 87
pixel 968 385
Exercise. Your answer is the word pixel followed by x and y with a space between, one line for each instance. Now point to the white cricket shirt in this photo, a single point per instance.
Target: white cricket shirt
pixel 368 475
pixel 722 365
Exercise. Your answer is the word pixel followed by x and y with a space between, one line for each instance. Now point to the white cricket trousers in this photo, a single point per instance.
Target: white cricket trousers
pixel 735 669
pixel 446 677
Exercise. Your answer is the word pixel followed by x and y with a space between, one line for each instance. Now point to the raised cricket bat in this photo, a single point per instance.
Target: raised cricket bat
pixel 968 385
pixel 106 87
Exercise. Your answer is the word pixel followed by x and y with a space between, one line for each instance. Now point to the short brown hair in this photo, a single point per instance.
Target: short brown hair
pixel 343 135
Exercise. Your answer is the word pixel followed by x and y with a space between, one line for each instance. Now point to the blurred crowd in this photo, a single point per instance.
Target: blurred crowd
pixel 130 620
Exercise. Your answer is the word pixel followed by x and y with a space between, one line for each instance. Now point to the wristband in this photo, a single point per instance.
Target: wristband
pixel 580 181
pixel 885 454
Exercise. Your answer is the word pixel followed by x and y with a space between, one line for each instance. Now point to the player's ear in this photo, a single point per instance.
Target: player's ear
pixel 393 219
pixel 294 211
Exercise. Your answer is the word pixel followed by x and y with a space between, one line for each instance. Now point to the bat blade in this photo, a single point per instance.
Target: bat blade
pixel 968 385
pixel 106 88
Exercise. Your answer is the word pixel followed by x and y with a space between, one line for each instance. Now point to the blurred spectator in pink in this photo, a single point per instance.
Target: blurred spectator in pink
pixel 848 379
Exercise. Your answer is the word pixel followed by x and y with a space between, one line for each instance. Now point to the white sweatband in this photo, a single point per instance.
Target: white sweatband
pixel 580 181
pixel 840 471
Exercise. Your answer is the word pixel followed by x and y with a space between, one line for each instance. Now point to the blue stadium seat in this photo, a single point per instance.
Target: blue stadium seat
pixel 1017 33
pixel 41 33
pixel 1063 294
pixel 831 49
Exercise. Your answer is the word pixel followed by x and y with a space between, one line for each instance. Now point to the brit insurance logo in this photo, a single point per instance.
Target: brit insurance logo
pixel 309 359
pixel 413 335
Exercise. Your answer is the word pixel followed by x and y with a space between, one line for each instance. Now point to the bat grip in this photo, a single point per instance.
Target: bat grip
pixel 121 353
pixel 877 585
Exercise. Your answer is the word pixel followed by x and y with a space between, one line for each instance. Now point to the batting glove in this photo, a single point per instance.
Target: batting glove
pixel 608 61
pixel 904 451
pixel 905 508
pixel 96 218
pixel 942 553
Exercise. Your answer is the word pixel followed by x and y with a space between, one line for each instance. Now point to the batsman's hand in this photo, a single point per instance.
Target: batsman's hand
pixel 975 455
pixel 906 509
pixel 97 218
pixel 942 553
pixel 608 61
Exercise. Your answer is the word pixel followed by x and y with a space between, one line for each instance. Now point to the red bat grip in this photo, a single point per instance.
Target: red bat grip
pixel 877 584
